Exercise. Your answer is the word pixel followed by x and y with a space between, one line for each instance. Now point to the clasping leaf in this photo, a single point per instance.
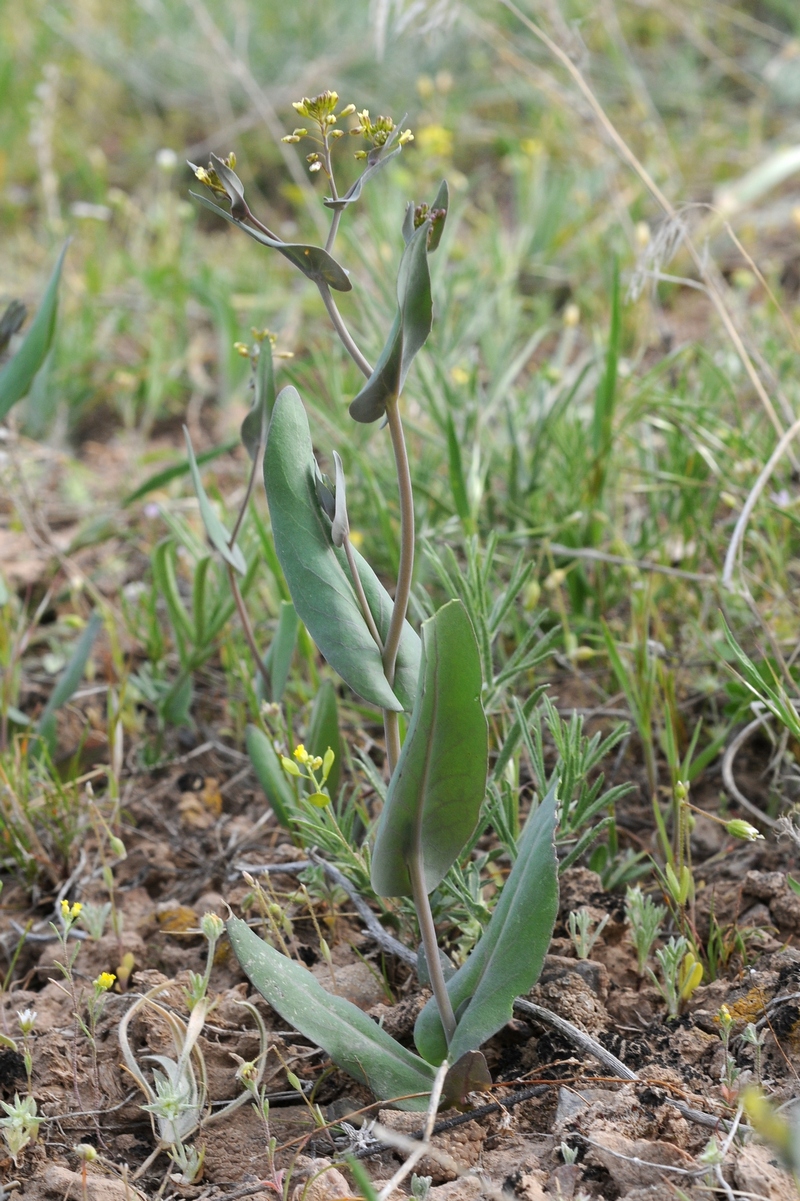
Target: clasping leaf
pixel 414 317
pixel 316 571
pixel 313 261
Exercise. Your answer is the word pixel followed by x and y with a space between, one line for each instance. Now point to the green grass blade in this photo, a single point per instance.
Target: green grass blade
pixel 18 374
pixel 68 681
pixel 217 534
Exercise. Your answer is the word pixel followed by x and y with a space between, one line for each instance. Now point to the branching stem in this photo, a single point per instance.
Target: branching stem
pixel 343 331
pixel 428 933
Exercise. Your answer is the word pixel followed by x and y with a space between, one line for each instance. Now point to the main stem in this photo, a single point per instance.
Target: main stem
pixel 427 930
pixel 405 570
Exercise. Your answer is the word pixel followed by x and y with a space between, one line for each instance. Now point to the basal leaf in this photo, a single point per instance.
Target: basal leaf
pixel 313 261
pixel 353 1041
pixel 317 574
pixel 509 956
pixel 437 789
pixel 217 534
pixel 412 322
pixel 271 775
pixel 18 374
pixel 255 424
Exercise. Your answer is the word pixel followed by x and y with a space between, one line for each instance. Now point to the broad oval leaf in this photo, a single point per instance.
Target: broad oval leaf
pixel 217 534
pixel 509 956
pixel 437 789
pixel 256 423
pixel 317 574
pixel 353 1041
pixel 18 374
pixel 313 261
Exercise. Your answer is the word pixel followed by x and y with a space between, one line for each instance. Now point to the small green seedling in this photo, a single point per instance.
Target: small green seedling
pixel 681 973
pixel 646 919
pixel 583 938
pixel 438 773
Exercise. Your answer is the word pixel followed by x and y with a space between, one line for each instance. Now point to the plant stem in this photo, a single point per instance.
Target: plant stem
pixel 337 216
pixel 343 331
pixel 251 481
pixel 406 566
pixel 337 213
pixel 248 629
pixel 359 591
pixel 428 933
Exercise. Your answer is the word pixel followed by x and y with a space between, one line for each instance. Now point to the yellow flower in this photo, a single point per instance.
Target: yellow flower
pixel 70 912
pixel 104 981
pixel 301 754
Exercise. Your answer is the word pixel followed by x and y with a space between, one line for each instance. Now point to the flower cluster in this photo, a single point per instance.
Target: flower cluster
pixel 378 131
pixel 322 110
pixel 312 764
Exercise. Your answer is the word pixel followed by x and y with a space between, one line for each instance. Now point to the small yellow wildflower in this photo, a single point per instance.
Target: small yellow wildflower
pixel 104 981
pixel 301 754
pixel 70 912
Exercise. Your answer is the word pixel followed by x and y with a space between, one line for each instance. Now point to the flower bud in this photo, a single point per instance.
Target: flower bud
pixel 212 926
pixel 739 828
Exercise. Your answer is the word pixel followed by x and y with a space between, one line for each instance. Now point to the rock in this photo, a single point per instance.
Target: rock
pixel 577 886
pixel 785 909
pixel 570 1103
pixel 593 973
pixel 456 1149
pixel 467 1189
pixel 563 1180
pixel 322 1182
pixel 756 1170
pixel 608 1148
pixel 59 1182
pixel 692 1044
pixel 764 885
pixel 572 998
pixel 355 982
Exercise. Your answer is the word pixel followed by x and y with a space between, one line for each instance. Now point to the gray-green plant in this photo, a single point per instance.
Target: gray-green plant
pixel 645 918
pixel 582 936
pixel 21 1124
pixel 755 1038
pixel 176 1095
pixel 429 687
pixel 681 973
